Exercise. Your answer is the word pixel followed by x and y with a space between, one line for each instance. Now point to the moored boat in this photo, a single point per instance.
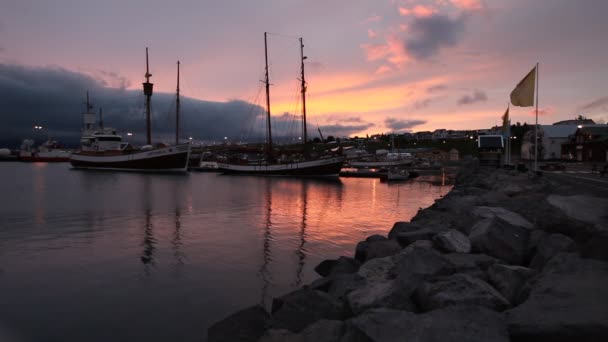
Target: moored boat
pixel 49 152
pixel 300 165
pixel 103 149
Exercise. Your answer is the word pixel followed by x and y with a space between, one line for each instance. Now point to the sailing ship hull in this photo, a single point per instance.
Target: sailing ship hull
pixel 166 159
pixel 385 163
pixel 320 167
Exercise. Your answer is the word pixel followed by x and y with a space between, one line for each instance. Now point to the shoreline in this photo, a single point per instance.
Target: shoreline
pixel 503 256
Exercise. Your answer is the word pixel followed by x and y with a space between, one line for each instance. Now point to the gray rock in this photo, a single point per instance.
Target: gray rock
pixel 403 227
pixel 509 280
pixel 375 237
pixel 452 241
pixel 550 246
pixel 391 293
pixel 405 239
pixel 535 237
pixel 596 247
pixel 321 331
pixel 472 264
pixel 367 250
pixel 298 309
pixel 500 239
pixel 458 289
pixel 506 215
pixel 419 244
pixel 420 262
pixel 243 326
pixel 342 265
pixel 588 209
pixel 454 324
pixel 338 285
pixel 376 270
pixel 567 302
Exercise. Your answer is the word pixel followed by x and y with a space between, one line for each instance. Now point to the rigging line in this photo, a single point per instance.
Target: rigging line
pixel 283 35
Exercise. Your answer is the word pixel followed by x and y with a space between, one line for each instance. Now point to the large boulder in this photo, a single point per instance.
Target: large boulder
pixel 472 264
pixel 392 293
pixel 420 262
pixel 550 246
pixel 298 309
pixel 498 238
pixel 588 209
pixel 321 331
pixel 506 215
pixel 509 280
pixel 407 238
pixel 338 285
pixel 596 246
pixel 454 324
pixel 452 241
pixel 567 302
pixel 247 325
pixel 403 227
pixel 458 289
pixel 367 250
pixel 342 265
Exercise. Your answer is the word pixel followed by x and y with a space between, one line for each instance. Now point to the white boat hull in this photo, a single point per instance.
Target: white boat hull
pixel 319 167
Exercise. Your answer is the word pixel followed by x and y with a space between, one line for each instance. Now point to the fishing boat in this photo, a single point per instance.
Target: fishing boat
pixel 103 149
pixel 49 152
pixel 271 164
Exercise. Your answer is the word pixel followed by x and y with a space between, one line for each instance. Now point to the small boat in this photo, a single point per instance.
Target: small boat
pixel 49 152
pixel 298 165
pixel 103 149
pixel 397 174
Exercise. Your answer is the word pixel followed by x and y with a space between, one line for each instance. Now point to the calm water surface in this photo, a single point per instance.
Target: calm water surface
pixel 100 256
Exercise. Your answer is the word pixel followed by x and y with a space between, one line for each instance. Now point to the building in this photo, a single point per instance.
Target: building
pixel 588 144
pixel 440 134
pixel 551 138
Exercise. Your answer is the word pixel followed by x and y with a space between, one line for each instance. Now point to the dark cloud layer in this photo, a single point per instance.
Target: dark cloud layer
pixel 601 104
pixel 339 130
pixel 477 96
pixel 401 125
pixel 54 98
pixel 429 34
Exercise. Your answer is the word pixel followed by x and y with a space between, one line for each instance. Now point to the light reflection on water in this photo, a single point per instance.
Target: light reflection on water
pixel 102 256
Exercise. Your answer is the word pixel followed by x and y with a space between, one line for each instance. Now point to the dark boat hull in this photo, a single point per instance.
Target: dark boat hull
pixel 320 167
pixel 166 159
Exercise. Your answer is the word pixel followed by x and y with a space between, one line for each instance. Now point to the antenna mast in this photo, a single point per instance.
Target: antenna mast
pixel 177 109
pixel 303 87
pixel 148 92
pixel 100 118
pixel 267 82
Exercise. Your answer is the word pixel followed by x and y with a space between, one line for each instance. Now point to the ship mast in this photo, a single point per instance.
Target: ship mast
pixel 267 82
pixel 148 92
pixel 303 87
pixel 177 109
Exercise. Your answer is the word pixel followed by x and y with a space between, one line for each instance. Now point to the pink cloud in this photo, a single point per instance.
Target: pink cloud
pixel 547 111
pixel 419 11
pixel 371 34
pixel 383 69
pixel 468 5
pixel 373 19
pixel 392 50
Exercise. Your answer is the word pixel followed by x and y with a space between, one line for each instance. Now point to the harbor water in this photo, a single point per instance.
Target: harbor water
pixel 109 256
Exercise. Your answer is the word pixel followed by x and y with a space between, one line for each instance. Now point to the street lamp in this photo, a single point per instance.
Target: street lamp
pixel 129 134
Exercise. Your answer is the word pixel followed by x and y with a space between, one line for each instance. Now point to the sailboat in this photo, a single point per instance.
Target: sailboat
pixel 103 149
pixel 270 165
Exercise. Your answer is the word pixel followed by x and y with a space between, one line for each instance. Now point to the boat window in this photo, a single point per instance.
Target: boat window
pixel 108 139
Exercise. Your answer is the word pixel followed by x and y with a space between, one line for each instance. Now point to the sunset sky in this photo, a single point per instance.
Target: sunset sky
pixel 373 65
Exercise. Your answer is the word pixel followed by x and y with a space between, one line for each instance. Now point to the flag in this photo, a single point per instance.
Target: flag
pixel 523 94
pixel 506 124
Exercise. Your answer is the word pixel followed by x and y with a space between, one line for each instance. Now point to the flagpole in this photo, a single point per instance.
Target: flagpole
pixel 509 135
pixel 536 126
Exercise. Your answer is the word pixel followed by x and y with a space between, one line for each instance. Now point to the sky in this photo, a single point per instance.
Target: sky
pixel 373 66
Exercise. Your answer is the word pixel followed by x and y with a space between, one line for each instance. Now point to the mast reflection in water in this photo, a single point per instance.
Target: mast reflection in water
pixel 207 245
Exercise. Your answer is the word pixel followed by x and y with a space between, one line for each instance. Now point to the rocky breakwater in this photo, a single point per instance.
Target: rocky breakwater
pixel 504 256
